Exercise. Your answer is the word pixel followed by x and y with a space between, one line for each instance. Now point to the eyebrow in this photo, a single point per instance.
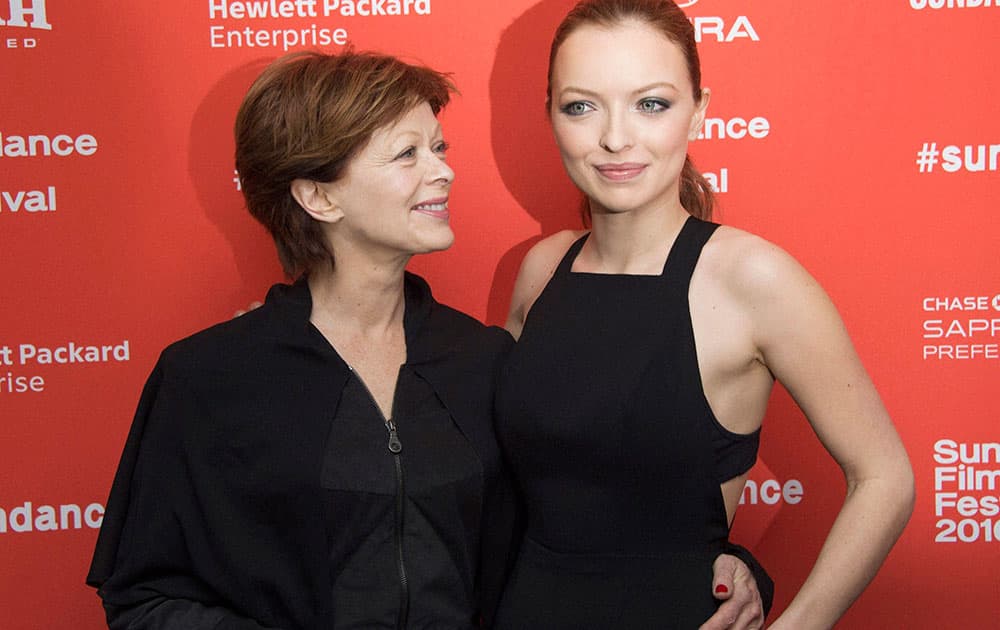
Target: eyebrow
pixel 651 86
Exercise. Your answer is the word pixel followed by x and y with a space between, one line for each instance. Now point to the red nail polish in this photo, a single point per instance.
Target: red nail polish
pixel 721 589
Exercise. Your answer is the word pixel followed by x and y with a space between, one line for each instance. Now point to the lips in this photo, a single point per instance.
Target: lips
pixel 437 208
pixel 620 172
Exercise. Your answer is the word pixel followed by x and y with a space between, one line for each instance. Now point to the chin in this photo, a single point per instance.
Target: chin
pixel 611 207
pixel 436 243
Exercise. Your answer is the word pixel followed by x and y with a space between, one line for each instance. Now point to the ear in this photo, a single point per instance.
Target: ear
pixel 698 119
pixel 315 199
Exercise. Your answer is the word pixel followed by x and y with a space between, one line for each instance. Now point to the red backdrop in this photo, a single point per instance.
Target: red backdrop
pixel 862 137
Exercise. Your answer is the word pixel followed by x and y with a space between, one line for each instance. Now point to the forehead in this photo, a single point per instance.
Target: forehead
pixel 629 53
pixel 418 121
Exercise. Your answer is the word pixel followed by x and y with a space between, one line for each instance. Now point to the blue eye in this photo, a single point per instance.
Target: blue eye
pixel 652 105
pixel 407 154
pixel 442 147
pixel 576 108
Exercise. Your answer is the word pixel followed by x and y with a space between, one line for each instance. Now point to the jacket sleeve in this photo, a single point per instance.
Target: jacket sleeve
pixel 503 518
pixel 140 565
pixel 175 614
pixel 765 585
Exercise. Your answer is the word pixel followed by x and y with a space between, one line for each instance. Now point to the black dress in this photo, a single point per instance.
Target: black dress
pixel 619 457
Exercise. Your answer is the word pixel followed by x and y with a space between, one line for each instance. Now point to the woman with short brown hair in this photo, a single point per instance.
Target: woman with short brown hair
pixel 326 460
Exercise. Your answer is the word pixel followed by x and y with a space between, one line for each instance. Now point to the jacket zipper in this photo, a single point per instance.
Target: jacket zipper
pixel 396 447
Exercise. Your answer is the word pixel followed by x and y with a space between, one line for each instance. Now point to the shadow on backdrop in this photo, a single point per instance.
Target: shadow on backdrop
pixel 525 153
pixel 212 171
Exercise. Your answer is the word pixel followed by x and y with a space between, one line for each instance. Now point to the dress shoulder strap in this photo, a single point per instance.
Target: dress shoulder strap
pixel 567 260
pixel 687 248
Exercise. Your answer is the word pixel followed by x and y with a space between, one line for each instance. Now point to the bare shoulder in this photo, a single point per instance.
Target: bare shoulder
pixel 546 253
pixel 751 268
pixel 785 310
pixel 537 267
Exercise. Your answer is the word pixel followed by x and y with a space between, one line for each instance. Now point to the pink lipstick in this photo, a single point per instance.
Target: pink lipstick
pixel 620 172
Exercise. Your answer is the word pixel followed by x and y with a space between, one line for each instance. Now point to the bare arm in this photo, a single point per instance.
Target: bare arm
pixel 803 342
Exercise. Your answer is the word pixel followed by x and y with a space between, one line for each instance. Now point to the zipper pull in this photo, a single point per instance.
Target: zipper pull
pixel 395 446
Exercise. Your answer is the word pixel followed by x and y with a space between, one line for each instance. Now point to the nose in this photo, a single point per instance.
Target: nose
pixel 439 171
pixel 616 136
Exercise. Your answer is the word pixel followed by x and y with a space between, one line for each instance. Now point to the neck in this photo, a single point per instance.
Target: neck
pixel 364 297
pixel 635 242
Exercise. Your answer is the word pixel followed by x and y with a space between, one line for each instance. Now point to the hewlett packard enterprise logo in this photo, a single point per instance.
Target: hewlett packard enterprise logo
pixel 22 17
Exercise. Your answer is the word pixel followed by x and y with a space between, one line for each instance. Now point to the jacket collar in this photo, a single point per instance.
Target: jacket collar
pixel 292 305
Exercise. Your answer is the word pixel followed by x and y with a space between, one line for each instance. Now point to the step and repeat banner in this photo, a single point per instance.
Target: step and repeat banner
pixel 862 137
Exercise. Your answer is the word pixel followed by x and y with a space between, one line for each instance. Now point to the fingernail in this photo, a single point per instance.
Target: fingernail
pixel 721 589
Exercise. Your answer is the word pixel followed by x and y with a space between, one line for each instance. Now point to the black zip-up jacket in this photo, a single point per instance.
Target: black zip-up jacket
pixel 217 516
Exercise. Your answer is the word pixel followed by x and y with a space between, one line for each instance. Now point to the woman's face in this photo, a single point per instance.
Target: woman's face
pixel 622 113
pixel 393 195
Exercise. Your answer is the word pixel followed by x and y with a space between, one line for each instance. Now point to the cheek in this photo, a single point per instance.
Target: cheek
pixel 572 139
pixel 400 186
pixel 672 140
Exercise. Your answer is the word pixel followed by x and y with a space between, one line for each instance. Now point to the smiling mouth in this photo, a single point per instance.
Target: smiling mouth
pixel 437 208
pixel 620 172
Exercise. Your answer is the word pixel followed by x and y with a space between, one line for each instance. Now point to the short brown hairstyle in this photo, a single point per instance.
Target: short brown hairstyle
pixel 305 117
pixel 665 17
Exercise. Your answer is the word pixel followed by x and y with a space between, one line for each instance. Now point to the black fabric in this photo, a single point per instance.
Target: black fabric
pixel 443 487
pixel 217 508
pixel 602 415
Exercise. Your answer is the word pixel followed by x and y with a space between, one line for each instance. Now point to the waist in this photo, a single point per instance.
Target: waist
pixel 613 560
pixel 596 591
